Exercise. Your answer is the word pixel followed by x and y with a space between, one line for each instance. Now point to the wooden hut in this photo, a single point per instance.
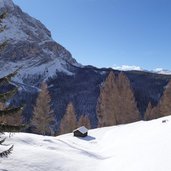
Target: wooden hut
pixel 81 132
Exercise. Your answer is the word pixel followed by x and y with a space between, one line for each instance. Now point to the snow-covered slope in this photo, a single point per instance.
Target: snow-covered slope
pixel 141 146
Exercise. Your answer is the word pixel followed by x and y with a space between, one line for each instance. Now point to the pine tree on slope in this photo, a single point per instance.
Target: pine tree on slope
pixel 127 110
pixel 116 103
pixel 43 116
pixel 69 121
pixel 163 108
pixel 105 105
pixel 7 114
pixel 84 121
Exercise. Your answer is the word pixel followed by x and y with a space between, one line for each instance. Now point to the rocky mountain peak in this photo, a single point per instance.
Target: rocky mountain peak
pixel 30 44
pixel 20 26
pixel 6 4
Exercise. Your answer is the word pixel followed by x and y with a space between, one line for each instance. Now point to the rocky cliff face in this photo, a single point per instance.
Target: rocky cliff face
pixel 30 46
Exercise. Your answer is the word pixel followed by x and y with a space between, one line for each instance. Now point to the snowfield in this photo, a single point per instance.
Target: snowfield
pixel 140 146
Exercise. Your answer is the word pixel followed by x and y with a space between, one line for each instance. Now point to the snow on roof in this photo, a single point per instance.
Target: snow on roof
pixel 82 129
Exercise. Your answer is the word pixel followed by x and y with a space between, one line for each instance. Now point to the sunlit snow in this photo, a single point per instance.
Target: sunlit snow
pixel 140 146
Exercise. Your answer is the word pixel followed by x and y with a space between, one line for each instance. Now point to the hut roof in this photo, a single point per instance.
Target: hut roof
pixel 82 129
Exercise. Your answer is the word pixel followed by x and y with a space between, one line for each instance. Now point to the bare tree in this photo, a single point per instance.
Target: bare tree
pixel 163 108
pixel 116 103
pixel 84 121
pixel 69 121
pixel 105 105
pixel 127 110
pixel 148 113
pixel 165 102
pixel 43 116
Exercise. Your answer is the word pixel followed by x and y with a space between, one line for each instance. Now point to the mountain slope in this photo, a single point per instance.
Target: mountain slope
pixel 138 146
pixel 30 45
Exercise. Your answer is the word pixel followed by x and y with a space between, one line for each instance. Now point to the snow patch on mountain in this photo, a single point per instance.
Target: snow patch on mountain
pixel 32 69
pixel 127 68
pixel 12 30
pixel 162 71
pixel 138 68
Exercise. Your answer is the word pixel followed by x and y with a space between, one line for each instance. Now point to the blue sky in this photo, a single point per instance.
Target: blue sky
pixel 107 33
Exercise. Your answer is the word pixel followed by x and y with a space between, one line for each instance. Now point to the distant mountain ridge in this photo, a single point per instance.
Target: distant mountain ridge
pixel 137 68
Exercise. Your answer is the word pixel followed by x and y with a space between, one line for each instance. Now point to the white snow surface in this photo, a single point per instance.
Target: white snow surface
pixel 140 146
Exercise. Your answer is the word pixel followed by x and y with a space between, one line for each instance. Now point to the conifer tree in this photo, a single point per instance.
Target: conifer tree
pixel 43 116
pixel 127 110
pixel 5 111
pixel 105 106
pixel 148 113
pixel 116 103
pixel 10 118
pixel 69 121
pixel 165 102
pixel 84 121
pixel 163 108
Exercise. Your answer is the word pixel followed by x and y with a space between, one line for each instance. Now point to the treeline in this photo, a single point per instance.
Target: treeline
pixel 44 120
pixel 116 105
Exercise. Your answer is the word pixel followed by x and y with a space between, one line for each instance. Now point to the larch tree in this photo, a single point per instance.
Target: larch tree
pixel 127 110
pixel 152 112
pixel 148 112
pixel 116 103
pixel 163 108
pixel 106 110
pixel 165 102
pixel 69 121
pixel 84 121
pixel 43 117
pixel 5 110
